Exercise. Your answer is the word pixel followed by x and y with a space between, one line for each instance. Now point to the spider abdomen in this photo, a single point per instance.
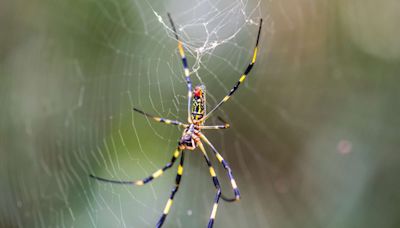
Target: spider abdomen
pixel 198 104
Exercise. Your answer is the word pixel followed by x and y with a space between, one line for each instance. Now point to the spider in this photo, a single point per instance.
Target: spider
pixel 192 136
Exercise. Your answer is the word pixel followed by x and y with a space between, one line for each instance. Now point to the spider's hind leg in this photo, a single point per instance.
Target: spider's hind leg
pixel 146 180
pixel 216 184
pixel 174 191
pixel 221 160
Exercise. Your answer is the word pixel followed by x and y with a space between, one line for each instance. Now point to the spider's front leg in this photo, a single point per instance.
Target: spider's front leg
pixel 185 67
pixel 216 127
pixel 160 119
pixel 243 77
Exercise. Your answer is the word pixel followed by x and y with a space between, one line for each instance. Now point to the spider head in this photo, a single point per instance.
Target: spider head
pixel 198 92
pixel 198 103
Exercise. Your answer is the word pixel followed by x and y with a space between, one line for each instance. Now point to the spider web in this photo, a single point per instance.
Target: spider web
pixel 157 85
pixel 87 63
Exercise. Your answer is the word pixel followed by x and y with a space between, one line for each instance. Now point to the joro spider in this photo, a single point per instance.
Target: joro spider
pixel 192 136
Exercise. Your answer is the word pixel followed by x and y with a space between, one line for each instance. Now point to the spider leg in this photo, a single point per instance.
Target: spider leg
pixel 225 126
pixel 216 184
pixel 226 167
pixel 159 119
pixel 174 191
pixel 214 127
pixel 185 66
pixel 146 180
pixel 242 78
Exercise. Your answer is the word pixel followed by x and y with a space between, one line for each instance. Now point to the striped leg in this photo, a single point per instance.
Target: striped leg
pixel 185 66
pixel 216 184
pixel 226 167
pixel 216 127
pixel 225 126
pixel 214 209
pixel 174 191
pixel 159 119
pixel 243 77
pixel 146 180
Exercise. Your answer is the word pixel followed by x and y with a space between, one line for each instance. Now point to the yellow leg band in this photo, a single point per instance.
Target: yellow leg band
pixel 187 72
pixel 139 183
pixel 233 182
pixel 212 172
pixel 158 173
pixel 255 55
pixel 181 49
pixel 176 154
pixel 214 211
pixel 219 157
pixel 168 206
pixel 180 170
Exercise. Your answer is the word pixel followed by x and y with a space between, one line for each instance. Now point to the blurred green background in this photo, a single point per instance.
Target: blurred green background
pixel 315 130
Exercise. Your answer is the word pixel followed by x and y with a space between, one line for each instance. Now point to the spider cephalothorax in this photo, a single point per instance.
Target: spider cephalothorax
pixel 189 138
pixel 192 136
